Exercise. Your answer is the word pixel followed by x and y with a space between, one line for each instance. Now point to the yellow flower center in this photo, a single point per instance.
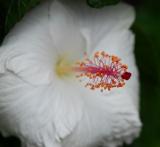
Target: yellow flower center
pixel 63 67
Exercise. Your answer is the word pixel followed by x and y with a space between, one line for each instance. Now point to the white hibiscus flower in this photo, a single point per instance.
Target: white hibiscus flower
pixel 42 103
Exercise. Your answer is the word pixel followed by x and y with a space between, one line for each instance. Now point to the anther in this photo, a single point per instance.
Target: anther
pixel 103 71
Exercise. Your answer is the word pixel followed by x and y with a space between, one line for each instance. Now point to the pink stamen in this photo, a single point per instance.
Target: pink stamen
pixel 103 71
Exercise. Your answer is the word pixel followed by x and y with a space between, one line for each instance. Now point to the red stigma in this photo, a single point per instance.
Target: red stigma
pixel 103 71
pixel 126 75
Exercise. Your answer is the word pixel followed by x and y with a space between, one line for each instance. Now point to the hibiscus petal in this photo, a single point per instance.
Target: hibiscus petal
pixel 31 103
pixel 65 31
pixel 95 24
pixel 32 49
pixel 38 114
pixel 111 115
pixel 68 109
pixel 24 51
pixel 108 29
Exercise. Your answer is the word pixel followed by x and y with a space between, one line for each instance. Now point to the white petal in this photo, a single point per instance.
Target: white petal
pixel 65 31
pixel 27 50
pixel 95 24
pixel 32 104
pixel 68 108
pixel 38 114
pixel 121 44
pixel 108 29
pixel 112 115
pixel 33 47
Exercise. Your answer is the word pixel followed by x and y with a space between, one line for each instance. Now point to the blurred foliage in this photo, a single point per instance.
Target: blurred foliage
pixel 15 10
pixel 9 142
pixel 101 3
pixel 147 51
pixel 147 29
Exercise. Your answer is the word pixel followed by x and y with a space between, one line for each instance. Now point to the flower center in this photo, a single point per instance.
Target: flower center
pixel 103 71
pixel 63 67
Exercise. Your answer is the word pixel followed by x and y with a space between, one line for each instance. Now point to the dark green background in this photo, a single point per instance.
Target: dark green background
pixel 147 51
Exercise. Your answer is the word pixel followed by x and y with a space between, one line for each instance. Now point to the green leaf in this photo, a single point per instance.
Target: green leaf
pixel 101 3
pixel 147 52
pixel 16 10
